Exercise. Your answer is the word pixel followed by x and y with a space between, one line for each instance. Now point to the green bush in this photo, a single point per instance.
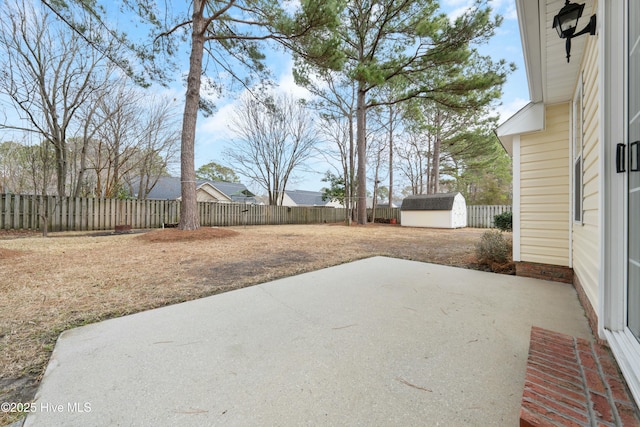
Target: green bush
pixel 504 221
pixel 493 248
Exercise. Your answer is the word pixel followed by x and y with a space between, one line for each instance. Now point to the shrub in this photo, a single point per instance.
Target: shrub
pixel 492 249
pixel 504 221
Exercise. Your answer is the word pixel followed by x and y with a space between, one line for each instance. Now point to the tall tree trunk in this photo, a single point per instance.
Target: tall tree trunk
pixel 422 175
pixel 361 115
pixel 352 167
pixel 374 204
pixel 435 168
pixel 189 219
pixel 115 180
pixel 83 168
pixel 390 155
pixel 61 164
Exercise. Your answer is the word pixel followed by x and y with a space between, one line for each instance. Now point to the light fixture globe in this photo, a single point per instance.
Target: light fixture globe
pixel 566 21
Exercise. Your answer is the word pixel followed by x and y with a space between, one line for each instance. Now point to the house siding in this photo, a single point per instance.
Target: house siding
pixel 203 196
pixel 207 193
pixel 586 235
pixel 545 190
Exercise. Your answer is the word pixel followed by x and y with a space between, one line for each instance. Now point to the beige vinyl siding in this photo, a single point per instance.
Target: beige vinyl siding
pixel 545 190
pixel 586 235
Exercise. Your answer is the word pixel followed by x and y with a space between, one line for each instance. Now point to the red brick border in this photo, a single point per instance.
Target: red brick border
pixel 592 317
pixel 573 382
pixel 556 273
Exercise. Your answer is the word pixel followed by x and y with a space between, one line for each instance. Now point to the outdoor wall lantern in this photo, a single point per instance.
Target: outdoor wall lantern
pixel 566 22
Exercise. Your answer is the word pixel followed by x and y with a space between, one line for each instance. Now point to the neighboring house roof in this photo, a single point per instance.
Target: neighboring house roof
pixel 429 202
pixel 234 190
pixel 169 188
pixel 306 198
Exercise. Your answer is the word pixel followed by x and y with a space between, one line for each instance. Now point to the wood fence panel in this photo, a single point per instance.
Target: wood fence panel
pixel 17 220
pixel 78 220
pixel 3 211
pixel 50 213
pixel 482 216
pixel 31 211
pixel 83 213
pixel 63 214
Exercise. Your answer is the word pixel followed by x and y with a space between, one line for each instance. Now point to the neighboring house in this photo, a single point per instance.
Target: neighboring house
pixel 169 188
pixel 434 211
pixel 386 205
pixel 307 198
pixel 576 180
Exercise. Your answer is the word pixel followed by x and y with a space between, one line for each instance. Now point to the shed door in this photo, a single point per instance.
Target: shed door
pixel 633 175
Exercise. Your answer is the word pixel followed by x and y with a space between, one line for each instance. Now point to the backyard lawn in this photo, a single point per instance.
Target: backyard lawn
pixel 48 285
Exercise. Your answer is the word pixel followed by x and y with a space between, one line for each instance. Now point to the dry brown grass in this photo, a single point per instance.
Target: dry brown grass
pixel 52 284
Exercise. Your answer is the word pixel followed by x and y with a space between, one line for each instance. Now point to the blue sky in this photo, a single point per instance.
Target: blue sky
pixel 213 135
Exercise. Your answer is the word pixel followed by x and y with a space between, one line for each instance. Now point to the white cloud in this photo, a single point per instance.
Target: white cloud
pixel 291 6
pixel 286 84
pixel 509 109
pixel 214 135
pixel 218 124
pixel 457 8
pixel 510 12
pixel 456 13
pixel 454 3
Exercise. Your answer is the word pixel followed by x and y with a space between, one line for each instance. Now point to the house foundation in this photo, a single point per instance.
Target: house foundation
pixel 555 273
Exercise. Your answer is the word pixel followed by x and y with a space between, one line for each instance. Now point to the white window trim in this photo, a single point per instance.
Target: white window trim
pixel 516 198
pixel 577 154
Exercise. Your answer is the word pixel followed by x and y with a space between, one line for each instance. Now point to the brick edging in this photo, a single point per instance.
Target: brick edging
pixel 573 382
pixel 556 273
pixel 589 312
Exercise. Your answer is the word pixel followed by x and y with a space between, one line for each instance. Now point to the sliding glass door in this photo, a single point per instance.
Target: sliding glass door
pixel 633 174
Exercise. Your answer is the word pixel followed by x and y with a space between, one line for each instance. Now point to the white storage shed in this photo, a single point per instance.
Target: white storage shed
pixel 434 211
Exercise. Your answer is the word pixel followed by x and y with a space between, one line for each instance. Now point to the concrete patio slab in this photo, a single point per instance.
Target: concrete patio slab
pixel 379 341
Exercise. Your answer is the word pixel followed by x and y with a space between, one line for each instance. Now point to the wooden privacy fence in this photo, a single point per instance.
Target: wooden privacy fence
pixel 83 213
pixel 482 216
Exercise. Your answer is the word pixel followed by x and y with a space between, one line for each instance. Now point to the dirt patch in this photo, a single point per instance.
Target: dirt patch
pixel 169 235
pixel 16 234
pixel 52 285
pixel 8 253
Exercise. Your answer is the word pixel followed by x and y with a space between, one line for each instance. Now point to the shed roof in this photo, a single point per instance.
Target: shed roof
pixel 429 202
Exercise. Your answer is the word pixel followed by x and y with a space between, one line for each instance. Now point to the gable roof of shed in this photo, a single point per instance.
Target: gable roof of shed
pixel 429 202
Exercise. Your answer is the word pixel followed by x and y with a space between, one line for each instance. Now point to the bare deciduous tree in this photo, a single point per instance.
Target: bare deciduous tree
pixel 229 31
pixel 13 176
pixel 337 106
pixel 135 142
pixel 338 132
pixel 157 149
pixel 48 75
pixel 274 138
pixel 414 153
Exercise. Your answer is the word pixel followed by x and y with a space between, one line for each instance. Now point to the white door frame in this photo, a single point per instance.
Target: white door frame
pixel 612 307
